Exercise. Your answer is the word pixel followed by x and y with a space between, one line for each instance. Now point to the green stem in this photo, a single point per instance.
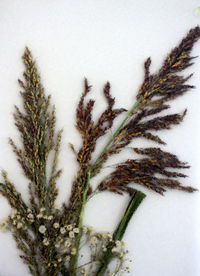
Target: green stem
pixel 80 225
pixel 120 230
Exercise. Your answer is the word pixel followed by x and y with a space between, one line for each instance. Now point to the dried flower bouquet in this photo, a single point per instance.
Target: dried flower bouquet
pixel 50 239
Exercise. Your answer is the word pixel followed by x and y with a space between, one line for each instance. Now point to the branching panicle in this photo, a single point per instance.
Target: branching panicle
pixel 144 172
pixel 36 125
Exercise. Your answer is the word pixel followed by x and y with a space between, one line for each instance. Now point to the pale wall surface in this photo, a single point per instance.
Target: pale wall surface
pixel 106 40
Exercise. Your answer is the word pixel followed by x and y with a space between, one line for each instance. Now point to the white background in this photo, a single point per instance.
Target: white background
pixel 106 40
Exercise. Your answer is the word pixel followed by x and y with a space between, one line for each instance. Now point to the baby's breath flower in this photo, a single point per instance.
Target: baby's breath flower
pixel 73 251
pixel 42 229
pixel 62 230
pixel 76 230
pixel 56 225
pixel 39 216
pixel 104 235
pixel 92 233
pixel 123 243
pixel 93 240
pixel 13 213
pixel 46 241
pixel 29 210
pixel 60 260
pixel 42 209
pixel 67 243
pixel 90 228
pixel 50 217
pixel 85 229
pixel 19 225
pixel 57 245
pixel 30 216
pixel 115 250
pixel 69 227
pixel 118 243
pixel 67 258
pixel 71 234
pixel 4 225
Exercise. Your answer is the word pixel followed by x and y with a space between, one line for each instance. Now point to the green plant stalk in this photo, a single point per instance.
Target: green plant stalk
pixel 134 203
pixel 80 225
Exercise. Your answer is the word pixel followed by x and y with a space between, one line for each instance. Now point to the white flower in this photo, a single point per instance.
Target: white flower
pixel 56 225
pixel 93 240
pixel 115 250
pixel 42 209
pixel 30 216
pixel 50 217
pixel 57 245
pixel 123 243
pixel 67 258
pixel 19 225
pixel 73 251
pixel 71 234
pixel 85 229
pixel 90 228
pixel 4 225
pixel 118 243
pixel 13 213
pixel 76 230
pixel 42 229
pixel 67 243
pixel 104 235
pixel 39 216
pixel 46 241
pixel 60 260
pixel 69 227
pixel 62 230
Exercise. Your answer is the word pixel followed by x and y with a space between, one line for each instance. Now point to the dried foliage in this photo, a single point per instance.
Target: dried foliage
pixel 50 238
pixel 90 131
pixel 144 171
pixel 36 125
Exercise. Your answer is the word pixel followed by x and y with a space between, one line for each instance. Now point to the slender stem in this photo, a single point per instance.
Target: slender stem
pixel 80 224
pixel 120 230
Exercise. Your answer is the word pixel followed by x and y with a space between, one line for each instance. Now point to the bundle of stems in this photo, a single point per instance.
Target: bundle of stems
pixel 50 238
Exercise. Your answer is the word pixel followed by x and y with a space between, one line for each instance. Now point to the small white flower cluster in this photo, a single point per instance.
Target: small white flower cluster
pixel 119 250
pixel 4 226
pixel 65 244
pixel 99 243
pixel 17 220
pixel 42 215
